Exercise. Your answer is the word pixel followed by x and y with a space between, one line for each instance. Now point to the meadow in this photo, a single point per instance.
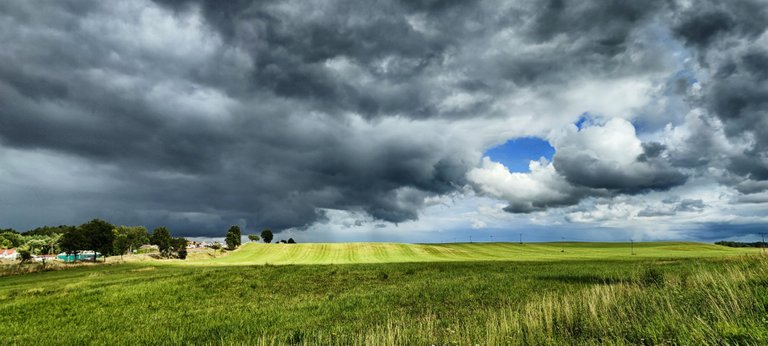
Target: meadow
pixel 354 253
pixel 343 294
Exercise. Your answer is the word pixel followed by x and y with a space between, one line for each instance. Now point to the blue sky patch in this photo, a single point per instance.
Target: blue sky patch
pixel 517 153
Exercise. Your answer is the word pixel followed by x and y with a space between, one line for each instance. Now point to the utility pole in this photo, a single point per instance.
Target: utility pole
pixel 491 238
pixel 632 246
pixel 470 239
pixel 762 244
pixel 521 239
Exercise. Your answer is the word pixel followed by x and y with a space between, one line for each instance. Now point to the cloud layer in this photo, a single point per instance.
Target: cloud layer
pixel 199 114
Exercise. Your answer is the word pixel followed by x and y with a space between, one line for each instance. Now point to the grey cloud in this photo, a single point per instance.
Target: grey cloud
pixel 720 231
pixel 690 205
pixel 751 186
pixel 526 207
pixel 271 111
pixel 652 212
pixel 673 206
pixel 588 171
pixel 701 28
pixel 651 150
pixel 243 152
pixel 724 38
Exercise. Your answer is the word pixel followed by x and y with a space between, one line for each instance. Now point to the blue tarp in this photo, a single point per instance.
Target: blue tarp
pixel 79 257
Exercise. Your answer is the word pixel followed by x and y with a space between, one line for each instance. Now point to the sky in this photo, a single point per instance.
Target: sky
pixel 412 121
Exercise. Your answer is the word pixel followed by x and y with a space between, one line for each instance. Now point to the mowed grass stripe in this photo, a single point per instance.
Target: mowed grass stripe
pixel 345 253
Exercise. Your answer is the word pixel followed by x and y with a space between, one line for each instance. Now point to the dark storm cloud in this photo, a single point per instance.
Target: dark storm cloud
pixel 584 170
pixel 264 152
pixel 726 40
pixel 267 112
pixel 749 232
pixel 530 206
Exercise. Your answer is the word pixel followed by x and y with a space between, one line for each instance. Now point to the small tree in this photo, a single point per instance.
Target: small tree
pixel 180 247
pixel 162 238
pixel 24 255
pixel 36 244
pixel 233 238
pixel 238 235
pixel 253 237
pixel 291 241
pixel 121 243
pixel 267 236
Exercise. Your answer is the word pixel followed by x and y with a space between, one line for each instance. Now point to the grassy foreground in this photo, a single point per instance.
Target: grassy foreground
pixel 718 298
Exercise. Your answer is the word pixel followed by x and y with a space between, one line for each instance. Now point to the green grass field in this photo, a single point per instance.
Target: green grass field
pixel 467 294
pixel 355 253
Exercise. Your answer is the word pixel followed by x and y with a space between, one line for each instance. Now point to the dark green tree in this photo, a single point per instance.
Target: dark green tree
pixel 121 244
pixel 291 241
pixel 135 236
pixel 162 238
pixel 100 237
pixel 230 241
pixel 180 247
pixel 73 241
pixel 267 236
pixel 233 238
pixel 25 255
pixel 253 237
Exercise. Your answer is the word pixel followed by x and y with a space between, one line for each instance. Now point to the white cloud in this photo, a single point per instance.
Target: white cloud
pixel 541 186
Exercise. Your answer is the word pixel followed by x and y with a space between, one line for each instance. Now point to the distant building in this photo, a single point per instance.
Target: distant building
pixel 9 254
pixel 44 258
pixel 195 245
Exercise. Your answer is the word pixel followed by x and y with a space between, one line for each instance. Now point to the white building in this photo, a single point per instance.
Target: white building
pixel 9 254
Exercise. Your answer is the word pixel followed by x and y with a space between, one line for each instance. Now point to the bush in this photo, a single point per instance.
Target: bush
pixel 25 255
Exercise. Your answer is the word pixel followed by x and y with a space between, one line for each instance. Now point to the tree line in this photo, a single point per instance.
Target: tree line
pixel 233 239
pixel 102 237
pixel 741 244
pixel 96 235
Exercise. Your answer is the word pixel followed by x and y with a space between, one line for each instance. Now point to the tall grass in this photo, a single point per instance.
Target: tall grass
pixel 703 305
